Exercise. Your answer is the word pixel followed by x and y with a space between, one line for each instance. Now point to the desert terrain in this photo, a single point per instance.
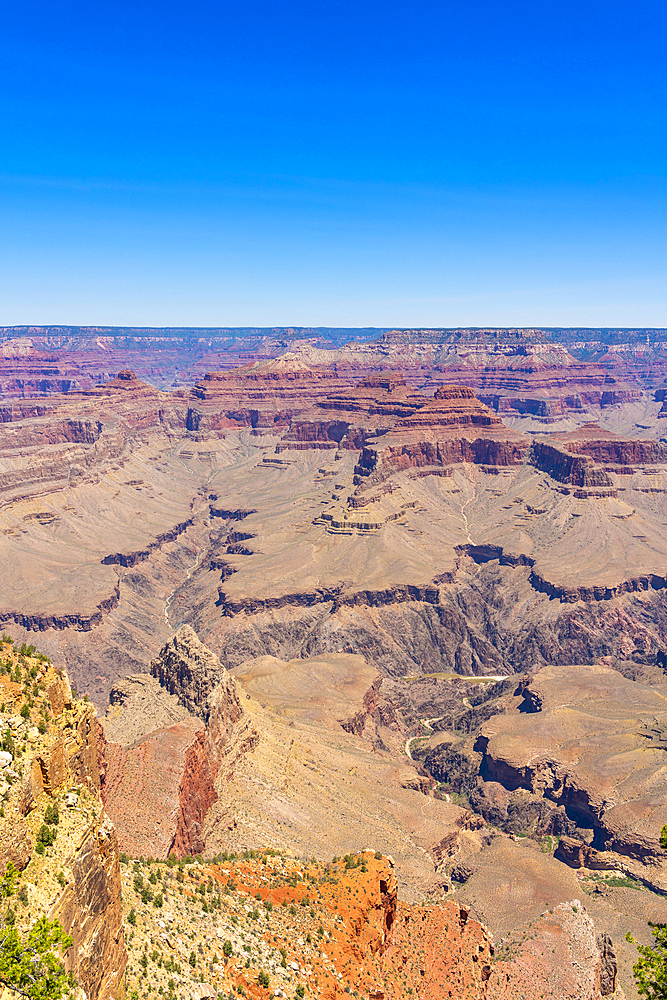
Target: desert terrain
pixel 403 594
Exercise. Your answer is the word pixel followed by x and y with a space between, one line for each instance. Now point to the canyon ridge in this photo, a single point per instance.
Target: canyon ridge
pixel 400 599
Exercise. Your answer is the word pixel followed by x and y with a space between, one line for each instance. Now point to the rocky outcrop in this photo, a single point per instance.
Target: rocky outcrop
pixel 160 760
pixel 451 406
pixel 78 622
pixel 533 751
pixel 159 768
pixel 378 463
pixel 436 951
pixel 608 964
pixel 186 668
pixel 157 792
pixel 90 910
pixel 561 958
pixel 576 470
pixel 366 598
pixel 76 880
pixel 314 434
pixel 129 559
pixel 570 595
pixel 621 452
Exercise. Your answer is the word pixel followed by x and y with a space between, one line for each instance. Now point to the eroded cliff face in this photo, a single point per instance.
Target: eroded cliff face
pixel 568 707
pixel 158 791
pixel 562 958
pixel 90 910
pixel 54 771
pixel 577 470
pixel 188 669
pixel 163 739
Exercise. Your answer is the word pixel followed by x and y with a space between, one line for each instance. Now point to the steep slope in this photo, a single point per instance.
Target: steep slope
pixel 266 924
pixel 160 761
pixel 53 827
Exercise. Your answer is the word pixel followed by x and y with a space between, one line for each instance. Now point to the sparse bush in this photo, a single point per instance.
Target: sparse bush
pixel 46 835
pixel 8 883
pixel 650 970
pixel 31 966
pixel 51 815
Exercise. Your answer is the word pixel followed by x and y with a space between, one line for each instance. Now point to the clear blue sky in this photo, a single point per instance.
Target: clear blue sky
pixel 333 163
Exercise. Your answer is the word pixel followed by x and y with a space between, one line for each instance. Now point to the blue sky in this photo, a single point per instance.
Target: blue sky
pixel 333 163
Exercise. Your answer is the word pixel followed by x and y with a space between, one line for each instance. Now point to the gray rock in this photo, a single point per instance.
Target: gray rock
pixel 608 964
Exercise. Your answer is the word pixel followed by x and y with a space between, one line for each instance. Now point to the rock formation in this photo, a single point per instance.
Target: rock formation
pixel 575 735
pixel 145 511
pixel 160 759
pixel 186 668
pixel 54 779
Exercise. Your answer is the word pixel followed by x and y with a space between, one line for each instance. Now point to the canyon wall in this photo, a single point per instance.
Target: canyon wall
pixel 76 879
pixel 160 760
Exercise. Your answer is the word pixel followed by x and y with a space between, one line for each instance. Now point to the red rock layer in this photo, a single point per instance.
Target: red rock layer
pixel 436 952
pixel 158 791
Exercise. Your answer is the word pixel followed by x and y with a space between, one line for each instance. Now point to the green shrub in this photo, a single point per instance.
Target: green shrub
pixel 32 966
pixel 46 835
pixel 650 971
pixel 8 882
pixel 51 815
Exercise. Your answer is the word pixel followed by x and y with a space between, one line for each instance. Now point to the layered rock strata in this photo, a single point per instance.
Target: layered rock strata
pixel 54 772
pixel 571 752
pixel 191 518
pixel 160 760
